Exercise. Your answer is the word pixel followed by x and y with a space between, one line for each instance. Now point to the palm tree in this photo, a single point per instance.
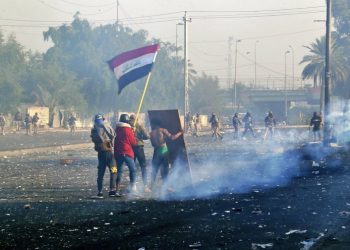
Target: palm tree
pixel 315 68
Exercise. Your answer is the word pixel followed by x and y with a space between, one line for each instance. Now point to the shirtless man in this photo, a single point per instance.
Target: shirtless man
pixel 160 158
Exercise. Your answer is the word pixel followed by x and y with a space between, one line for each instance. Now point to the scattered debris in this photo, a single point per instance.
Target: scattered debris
pixel 195 245
pixel 256 246
pixel 310 242
pixel 27 206
pixel 296 231
pixel 344 213
pixel 66 161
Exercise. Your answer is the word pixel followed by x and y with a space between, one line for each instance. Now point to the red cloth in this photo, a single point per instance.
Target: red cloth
pixel 124 141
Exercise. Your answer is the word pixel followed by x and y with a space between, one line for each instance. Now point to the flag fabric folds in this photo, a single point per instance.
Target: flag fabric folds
pixel 134 64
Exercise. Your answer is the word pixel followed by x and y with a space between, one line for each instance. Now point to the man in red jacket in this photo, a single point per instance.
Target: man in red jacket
pixel 123 151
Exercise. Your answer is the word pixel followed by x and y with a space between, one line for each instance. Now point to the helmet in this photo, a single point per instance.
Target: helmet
pixel 98 117
pixel 132 117
pixel 124 118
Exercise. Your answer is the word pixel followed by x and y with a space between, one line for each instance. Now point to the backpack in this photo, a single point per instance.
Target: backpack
pixel 99 144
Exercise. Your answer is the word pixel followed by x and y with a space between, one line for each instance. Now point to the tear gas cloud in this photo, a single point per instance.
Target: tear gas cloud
pixel 249 165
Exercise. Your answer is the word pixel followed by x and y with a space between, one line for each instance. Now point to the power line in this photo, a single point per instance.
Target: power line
pixel 71 13
pixel 266 10
pixel 89 6
pixel 262 37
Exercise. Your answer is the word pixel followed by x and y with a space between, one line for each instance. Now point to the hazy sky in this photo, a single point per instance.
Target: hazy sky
pixel 275 24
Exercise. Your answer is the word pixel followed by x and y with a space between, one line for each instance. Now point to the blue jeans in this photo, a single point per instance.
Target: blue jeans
pixel 121 159
pixel 105 159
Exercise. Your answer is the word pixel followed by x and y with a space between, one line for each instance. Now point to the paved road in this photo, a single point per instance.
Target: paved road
pixel 246 196
pixel 43 139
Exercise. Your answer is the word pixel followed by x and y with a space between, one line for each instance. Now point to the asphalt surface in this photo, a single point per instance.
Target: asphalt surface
pixel 246 195
pixel 44 138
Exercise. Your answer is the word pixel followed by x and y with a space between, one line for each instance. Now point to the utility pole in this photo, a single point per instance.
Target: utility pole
pixel 293 78
pixel 285 86
pixel 326 127
pixel 117 15
pixel 187 104
pixel 229 63
pixel 255 62
pixel 176 49
pixel 235 80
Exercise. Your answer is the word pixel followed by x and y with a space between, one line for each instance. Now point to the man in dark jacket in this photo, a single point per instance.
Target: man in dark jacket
pixel 236 124
pixel 124 142
pixel 35 121
pixel 103 137
pixel 140 134
pixel 18 120
pixel 248 124
pixel 28 123
pixel 315 123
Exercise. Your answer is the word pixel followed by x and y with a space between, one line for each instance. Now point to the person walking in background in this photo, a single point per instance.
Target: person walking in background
pixel 316 123
pixel 196 119
pixel 72 124
pixel 124 142
pixel 103 135
pixel 2 124
pixel 236 123
pixel 248 124
pixel 140 134
pixel 28 124
pixel 35 121
pixel 215 126
pixel 270 125
pixel 160 158
pixel 18 120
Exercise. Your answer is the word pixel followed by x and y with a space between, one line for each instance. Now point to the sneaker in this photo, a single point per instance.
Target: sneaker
pixel 99 196
pixel 112 194
pixel 117 194
pixel 147 189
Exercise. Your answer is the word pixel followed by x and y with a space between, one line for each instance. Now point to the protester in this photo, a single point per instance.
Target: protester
pixel 215 126
pixel 248 124
pixel 35 121
pixel 18 120
pixel 2 124
pixel 316 123
pixel 236 124
pixel 102 135
pixel 28 124
pixel 124 142
pixel 270 125
pixel 160 158
pixel 196 122
pixel 72 124
pixel 140 134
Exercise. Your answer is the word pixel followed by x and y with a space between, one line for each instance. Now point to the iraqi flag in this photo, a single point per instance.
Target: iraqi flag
pixel 134 64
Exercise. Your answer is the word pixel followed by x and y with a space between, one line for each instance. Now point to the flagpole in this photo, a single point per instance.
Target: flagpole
pixel 144 92
pixel 143 97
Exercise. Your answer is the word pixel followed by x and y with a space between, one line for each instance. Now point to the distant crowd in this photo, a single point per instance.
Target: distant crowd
pixel 29 123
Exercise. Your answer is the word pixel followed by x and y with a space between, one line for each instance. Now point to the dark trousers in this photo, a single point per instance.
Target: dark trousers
pixel 141 158
pixel 105 159
pixel 159 161
pixel 248 128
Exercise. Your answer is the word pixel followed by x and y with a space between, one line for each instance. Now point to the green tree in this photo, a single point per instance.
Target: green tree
pixel 315 62
pixel 12 64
